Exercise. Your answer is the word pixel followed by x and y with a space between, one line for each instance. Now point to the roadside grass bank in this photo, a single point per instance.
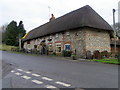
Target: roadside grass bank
pixel 108 61
pixel 5 47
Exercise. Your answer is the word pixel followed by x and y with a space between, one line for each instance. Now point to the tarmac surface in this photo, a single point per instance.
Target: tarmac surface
pixel 25 71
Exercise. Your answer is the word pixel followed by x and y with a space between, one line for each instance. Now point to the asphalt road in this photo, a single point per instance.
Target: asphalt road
pixel 47 72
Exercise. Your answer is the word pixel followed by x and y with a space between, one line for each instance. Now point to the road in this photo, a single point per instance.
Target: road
pixel 48 72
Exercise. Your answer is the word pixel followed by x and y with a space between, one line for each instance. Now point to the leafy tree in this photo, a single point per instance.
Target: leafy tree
pixel 11 34
pixel 21 29
pixel 2 31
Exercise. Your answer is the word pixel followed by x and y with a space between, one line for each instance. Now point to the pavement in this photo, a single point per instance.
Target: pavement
pixel 24 71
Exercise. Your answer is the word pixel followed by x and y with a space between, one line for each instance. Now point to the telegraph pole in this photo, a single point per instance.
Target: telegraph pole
pixel 114 29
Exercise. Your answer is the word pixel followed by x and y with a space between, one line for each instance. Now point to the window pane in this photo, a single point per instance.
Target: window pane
pixel 67 47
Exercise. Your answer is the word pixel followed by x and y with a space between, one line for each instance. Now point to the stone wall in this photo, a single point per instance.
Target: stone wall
pixel 76 40
pixel 25 45
pixel 80 40
pixel 97 40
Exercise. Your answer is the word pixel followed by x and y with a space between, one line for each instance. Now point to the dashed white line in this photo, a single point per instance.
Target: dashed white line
pixel 46 78
pixel 25 77
pixel 18 73
pixel 50 86
pixel 19 69
pixel 37 75
pixel 27 72
pixel 12 71
pixel 64 84
pixel 37 82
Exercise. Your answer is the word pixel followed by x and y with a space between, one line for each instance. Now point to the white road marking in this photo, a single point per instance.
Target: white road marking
pixel 25 77
pixel 37 82
pixel 19 69
pixel 46 78
pixel 50 86
pixel 27 72
pixel 64 84
pixel 18 73
pixel 36 75
pixel 12 71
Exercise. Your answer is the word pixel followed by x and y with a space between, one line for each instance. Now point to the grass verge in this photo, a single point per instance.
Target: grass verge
pixel 110 61
pixel 5 47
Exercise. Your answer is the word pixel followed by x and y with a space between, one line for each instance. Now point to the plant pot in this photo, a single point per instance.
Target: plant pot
pixel 74 58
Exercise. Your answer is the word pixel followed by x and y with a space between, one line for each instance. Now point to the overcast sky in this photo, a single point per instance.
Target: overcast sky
pixel 34 13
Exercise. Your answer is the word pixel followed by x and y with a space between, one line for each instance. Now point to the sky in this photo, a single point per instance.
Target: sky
pixel 34 13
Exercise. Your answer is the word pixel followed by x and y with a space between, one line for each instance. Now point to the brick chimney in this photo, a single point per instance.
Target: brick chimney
pixel 52 17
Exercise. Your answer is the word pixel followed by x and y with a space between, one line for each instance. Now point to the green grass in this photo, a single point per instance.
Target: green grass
pixel 110 61
pixel 5 47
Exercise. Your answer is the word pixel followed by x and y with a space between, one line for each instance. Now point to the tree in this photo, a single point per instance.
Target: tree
pixel 21 29
pixel 11 34
pixel 2 31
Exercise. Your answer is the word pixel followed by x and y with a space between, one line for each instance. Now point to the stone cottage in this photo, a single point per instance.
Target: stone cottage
pixel 78 31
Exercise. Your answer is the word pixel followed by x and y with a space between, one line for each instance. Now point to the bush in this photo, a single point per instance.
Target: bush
pixel 96 54
pixel 118 56
pixel 74 57
pixel 104 54
pixel 66 53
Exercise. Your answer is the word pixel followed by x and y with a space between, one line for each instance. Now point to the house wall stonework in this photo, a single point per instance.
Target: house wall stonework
pixel 25 45
pixel 97 40
pixel 80 41
pixel 76 40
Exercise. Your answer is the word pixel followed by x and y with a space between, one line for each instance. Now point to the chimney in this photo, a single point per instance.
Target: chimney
pixel 52 17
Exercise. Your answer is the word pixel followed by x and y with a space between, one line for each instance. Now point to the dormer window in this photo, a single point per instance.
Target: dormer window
pixel 67 33
pixel 50 37
pixel 76 34
pixel 56 35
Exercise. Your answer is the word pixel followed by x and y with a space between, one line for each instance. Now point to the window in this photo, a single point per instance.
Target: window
pixel 35 46
pixel 58 47
pixel 28 42
pixel 67 33
pixel 76 34
pixel 67 47
pixel 50 47
pixel 56 35
pixel 28 46
pixel 50 37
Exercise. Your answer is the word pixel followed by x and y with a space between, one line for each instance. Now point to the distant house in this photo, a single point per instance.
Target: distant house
pixel 78 31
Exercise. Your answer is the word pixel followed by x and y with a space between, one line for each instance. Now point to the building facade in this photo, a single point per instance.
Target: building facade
pixel 79 31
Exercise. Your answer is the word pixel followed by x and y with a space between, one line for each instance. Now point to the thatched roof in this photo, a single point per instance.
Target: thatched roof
pixel 83 17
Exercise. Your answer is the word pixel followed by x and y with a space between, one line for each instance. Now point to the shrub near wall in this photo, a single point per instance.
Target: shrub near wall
pixel 118 57
pixel 96 54
pixel 66 53
pixel 104 54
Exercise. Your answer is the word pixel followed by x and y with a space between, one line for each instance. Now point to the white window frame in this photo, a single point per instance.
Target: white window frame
pixel 57 35
pixel 58 46
pixel 68 33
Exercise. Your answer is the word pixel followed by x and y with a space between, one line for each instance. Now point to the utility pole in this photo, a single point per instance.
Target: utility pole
pixel 114 29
